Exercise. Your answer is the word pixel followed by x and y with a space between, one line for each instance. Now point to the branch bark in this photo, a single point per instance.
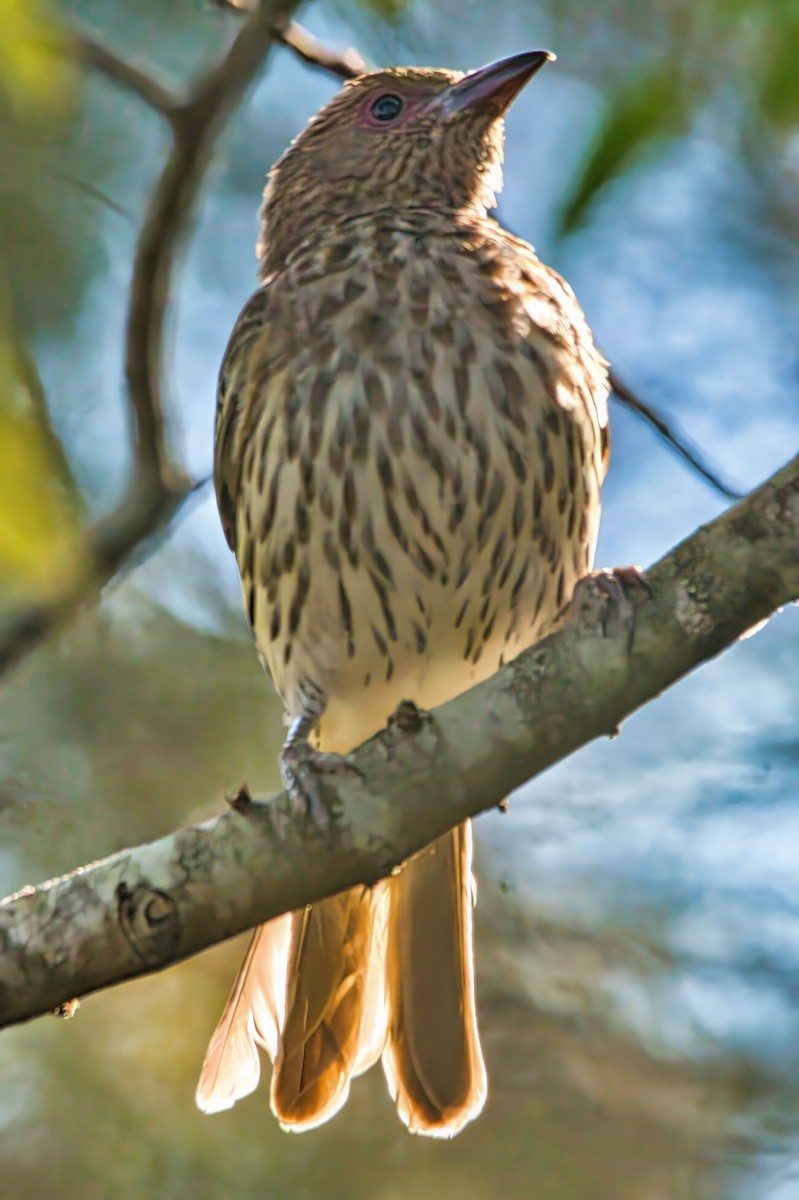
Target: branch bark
pixel 144 908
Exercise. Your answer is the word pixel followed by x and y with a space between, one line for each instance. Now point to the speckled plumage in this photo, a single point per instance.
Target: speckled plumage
pixel 411 440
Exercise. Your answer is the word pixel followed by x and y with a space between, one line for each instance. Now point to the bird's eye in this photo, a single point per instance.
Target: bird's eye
pixel 386 108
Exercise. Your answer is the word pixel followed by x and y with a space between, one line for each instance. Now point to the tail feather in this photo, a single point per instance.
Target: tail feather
pixel 335 1024
pixel 433 1060
pixel 328 990
pixel 252 1016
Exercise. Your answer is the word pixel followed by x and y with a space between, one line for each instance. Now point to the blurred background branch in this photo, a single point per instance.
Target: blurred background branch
pixel 344 64
pixel 144 908
pixel 159 485
pixel 97 57
pixel 671 436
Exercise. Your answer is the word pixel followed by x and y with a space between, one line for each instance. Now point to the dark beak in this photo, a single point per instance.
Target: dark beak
pixel 493 89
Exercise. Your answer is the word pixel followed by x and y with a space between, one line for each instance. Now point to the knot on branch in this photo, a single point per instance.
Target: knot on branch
pixel 149 920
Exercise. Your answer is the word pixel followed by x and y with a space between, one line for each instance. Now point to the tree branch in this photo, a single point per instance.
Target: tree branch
pixel 145 908
pixel 626 396
pixel 196 123
pixel 346 64
pixel 91 53
pixel 158 487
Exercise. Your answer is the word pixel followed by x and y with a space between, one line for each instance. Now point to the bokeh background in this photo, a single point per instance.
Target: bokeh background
pixel 638 923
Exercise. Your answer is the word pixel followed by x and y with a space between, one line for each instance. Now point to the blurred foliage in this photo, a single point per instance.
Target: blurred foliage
pixel 40 535
pixel 387 10
pixel 47 246
pixel 779 81
pixel 39 530
pixel 32 69
pixel 644 114
pixel 735 57
pixel 70 146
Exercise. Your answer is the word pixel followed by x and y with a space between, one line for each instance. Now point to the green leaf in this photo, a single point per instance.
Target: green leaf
pixel 779 96
pixel 641 117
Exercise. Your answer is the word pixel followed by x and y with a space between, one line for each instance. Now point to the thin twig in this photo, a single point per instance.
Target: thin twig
pixel 673 437
pixel 94 193
pixel 94 54
pixel 346 64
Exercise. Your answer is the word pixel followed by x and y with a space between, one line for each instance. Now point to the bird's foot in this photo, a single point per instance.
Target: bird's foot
pixel 408 717
pixel 307 774
pixel 610 594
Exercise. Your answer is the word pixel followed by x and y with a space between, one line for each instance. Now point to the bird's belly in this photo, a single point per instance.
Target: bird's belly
pixel 417 609
pixel 411 516
pixel 355 713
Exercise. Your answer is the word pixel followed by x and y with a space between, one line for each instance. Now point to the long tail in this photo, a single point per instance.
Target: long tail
pixel 311 992
pixel 252 1017
pixel 327 990
pixel 335 1024
pixel 433 1060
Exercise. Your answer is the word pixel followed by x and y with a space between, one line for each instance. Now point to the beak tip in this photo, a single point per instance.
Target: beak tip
pixel 494 87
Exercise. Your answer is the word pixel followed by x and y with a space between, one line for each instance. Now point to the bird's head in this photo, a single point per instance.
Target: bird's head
pixel 399 138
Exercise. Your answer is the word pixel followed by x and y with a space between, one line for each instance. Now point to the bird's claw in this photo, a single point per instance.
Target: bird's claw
pixel 407 717
pixel 306 773
pixel 611 591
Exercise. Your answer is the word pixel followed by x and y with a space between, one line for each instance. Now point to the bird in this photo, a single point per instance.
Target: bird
pixel 411 438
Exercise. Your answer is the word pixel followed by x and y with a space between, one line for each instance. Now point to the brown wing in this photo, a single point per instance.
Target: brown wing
pixel 233 409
